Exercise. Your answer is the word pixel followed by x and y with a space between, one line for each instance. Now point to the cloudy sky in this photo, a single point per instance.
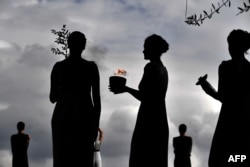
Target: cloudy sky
pixel 115 30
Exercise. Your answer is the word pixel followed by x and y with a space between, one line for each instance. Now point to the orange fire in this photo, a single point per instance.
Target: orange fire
pixel 120 71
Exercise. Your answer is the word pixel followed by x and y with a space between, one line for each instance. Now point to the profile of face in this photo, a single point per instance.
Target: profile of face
pixel 233 51
pixel 154 46
pixel 148 51
pixel 77 41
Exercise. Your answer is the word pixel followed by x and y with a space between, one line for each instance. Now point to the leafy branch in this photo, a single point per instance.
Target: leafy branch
pixel 198 20
pixel 245 7
pixel 61 40
pixel 195 20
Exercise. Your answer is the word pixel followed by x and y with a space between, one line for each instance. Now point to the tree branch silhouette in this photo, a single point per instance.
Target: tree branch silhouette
pixel 61 40
pixel 198 20
pixel 245 7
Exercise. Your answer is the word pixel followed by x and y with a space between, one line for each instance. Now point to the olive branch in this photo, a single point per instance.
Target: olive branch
pixel 198 20
pixel 245 7
pixel 61 39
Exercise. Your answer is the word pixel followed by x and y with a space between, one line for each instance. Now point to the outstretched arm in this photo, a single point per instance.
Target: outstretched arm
pixel 123 89
pixel 134 92
pixel 207 87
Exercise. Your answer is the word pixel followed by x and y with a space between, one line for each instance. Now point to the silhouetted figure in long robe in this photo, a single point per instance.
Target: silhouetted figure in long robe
pixel 75 121
pixel 231 136
pixel 149 145
pixel 19 147
pixel 182 148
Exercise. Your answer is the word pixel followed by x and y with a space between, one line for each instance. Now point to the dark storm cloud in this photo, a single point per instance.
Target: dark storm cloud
pixel 37 56
pixel 20 82
pixel 118 132
pixel 97 54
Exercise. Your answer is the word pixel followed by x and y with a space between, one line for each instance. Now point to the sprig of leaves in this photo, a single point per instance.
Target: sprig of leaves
pixel 195 20
pixel 61 40
pixel 245 8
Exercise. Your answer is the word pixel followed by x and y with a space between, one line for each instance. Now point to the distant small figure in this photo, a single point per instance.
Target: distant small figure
pixel 19 147
pixel 97 150
pixel 182 148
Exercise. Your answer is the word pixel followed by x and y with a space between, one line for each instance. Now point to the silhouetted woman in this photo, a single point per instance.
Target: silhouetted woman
pixel 75 121
pixel 231 135
pixel 182 148
pixel 149 146
pixel 19 147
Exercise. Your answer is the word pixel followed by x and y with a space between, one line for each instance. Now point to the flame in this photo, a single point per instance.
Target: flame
pixel 120 71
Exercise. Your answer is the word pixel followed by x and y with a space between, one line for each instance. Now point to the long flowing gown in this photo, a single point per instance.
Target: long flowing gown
pixel 231 135
pixel 74 122
pixel 149 145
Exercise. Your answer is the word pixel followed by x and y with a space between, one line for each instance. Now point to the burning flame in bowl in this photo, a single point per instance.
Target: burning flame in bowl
pixel 118 79
pixel 120 72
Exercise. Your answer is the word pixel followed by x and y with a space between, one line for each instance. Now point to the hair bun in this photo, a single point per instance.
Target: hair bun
pixel 158 43
pixel 240 39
